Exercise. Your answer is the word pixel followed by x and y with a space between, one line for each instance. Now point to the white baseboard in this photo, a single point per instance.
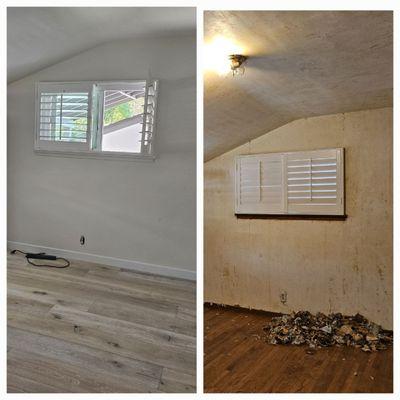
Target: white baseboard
pixel 137 266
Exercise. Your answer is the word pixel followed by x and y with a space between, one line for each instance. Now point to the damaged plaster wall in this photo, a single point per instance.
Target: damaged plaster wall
pixel 328 266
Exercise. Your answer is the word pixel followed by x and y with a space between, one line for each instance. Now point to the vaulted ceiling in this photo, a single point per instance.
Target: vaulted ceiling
pixel 38 37
pixel 301 64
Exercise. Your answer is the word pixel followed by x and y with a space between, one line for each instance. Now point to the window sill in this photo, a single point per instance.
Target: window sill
pixel 293 216
pixel 106 155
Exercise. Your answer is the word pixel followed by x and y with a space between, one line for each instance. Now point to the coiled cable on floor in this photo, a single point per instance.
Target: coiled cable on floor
pixel 42 256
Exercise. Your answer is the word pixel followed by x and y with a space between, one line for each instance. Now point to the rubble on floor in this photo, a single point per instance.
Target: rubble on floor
pixel 322 330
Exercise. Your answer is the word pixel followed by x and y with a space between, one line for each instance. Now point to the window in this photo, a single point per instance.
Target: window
pixel 108 118
pixel 295 183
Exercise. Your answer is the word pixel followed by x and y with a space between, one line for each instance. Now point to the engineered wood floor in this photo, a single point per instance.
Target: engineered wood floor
pixel 93 328
pixel 238 360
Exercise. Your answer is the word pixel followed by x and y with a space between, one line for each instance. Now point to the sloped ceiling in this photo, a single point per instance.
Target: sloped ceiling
pixel 38 37
pixel 301 64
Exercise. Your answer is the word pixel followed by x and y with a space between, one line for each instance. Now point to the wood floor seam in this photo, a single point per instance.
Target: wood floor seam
pixel 113 318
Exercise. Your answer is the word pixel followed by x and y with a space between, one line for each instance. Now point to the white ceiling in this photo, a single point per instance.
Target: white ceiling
pixel 301 64
pixel 38 37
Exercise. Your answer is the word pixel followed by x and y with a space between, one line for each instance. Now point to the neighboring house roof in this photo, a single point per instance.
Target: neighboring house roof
pixel 116 126
pixel 113 98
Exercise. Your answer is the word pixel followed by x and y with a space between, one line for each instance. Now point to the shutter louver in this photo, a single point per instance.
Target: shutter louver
pixel 271 175
pixel 249 174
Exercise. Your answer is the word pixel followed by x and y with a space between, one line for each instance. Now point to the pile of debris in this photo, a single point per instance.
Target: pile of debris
pixel 323 330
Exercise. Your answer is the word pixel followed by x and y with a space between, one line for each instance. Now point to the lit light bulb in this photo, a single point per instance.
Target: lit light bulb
pixel 216 55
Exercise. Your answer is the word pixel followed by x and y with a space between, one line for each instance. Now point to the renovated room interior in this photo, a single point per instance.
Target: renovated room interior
pixel 298 201
pixel 101 107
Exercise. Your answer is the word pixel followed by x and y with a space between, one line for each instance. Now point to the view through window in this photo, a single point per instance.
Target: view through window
pixel 123 112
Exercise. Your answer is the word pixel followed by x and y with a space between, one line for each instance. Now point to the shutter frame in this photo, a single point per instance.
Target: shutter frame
pixel 61 88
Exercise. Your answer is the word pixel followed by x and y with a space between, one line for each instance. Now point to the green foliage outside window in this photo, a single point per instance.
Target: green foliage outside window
pixel 78 129
pixel 123 111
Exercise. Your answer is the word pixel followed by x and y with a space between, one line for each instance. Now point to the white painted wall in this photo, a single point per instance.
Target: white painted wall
pixel 138 211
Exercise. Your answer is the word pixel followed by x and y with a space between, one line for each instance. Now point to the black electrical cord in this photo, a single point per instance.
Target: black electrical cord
pixel 42 256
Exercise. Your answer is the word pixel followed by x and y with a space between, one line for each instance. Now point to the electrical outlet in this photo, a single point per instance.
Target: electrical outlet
pixel 283 297
pixel 82 240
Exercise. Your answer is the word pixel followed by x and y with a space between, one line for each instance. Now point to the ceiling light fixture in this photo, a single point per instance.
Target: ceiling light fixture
pixel 217 53
pixel 237 61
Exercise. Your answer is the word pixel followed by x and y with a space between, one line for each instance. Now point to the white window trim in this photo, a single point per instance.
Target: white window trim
pixel 76 150
pixel 337 211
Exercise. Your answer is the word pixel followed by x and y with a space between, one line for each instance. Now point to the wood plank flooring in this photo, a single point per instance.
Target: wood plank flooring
pixel 92 328
pixel 238 360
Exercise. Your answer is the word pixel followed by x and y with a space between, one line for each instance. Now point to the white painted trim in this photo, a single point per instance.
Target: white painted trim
pixel 105 155
pixel 137 266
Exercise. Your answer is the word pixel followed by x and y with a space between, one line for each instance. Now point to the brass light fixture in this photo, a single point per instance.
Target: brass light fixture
pixel 237 61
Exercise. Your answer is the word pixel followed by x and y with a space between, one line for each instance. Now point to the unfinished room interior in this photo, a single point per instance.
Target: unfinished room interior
pixel 298 201
pixel 101 200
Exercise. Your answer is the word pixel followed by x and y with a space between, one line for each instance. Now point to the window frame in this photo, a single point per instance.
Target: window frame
pixel 336 210
pixel 90 148
pixel 101 87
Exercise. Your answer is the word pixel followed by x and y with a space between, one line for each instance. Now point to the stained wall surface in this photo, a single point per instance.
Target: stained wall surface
pixel 328 266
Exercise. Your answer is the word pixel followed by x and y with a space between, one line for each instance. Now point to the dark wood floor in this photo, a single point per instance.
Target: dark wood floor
pixel 238 360
pixel 91 328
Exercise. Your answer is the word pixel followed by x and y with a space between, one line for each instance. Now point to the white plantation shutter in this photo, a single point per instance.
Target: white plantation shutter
pixel 149 118
pixel 63 115
pixel 259 186
pixel 70 117
pixel 314 182
pixel 308 183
